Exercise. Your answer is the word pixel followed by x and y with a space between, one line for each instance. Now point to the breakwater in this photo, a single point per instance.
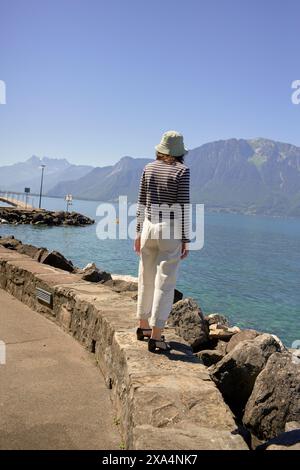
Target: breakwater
pixel 12 215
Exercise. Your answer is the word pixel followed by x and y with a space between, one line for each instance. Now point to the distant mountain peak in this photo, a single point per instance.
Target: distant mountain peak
pixel 33 160
pixel 28 173
pixel 61 161
pixel 126 157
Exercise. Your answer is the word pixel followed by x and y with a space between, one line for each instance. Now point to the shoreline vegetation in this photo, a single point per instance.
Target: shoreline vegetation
pixel 258 377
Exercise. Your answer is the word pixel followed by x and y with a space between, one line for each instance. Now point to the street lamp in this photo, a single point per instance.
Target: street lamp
pixel 41 188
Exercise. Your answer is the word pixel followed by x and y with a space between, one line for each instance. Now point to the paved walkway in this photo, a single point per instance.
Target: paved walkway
pixel 52 395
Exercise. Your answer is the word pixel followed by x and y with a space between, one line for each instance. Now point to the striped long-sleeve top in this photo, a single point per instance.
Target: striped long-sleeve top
pixel 164 184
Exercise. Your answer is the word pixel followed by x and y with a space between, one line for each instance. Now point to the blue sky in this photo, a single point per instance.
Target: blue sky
pixel 94 80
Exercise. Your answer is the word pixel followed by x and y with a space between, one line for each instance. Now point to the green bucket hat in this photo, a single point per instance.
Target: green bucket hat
pixel 171 144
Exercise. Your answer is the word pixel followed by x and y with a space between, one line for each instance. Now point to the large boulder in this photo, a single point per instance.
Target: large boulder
pixel 28 250
pixel 236 373
pixel 40 253
pixel 218 318
pixel 93 274
pixel 10 242
pixel 48 219
pixel 219 328
pixel 219 331
pixel 243 335
pixel 57 260
pixel 275 399
pixel 120 283
pixel 210 356
pixel 58 215
pixel 187 318
pixel 74 218
pixel 10 215
pixel 221 346
pixel 124 284
pixel 37 217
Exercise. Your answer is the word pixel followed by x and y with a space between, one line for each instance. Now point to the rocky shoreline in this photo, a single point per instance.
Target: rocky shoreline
pixel 259 377
pixel 12 215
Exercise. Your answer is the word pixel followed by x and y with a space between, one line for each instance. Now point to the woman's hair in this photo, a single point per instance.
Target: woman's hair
pixel 169 158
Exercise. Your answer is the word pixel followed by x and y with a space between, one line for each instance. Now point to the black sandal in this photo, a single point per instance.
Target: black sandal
pixel 160 344
pixel 140 335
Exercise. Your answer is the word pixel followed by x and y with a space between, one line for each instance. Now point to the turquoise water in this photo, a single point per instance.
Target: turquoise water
pixel 249 268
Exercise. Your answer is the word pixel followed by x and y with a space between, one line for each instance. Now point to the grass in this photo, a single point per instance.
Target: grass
pixel 116 421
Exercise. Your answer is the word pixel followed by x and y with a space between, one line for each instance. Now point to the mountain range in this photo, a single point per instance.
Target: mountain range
pixel 258 176
pixel 28 174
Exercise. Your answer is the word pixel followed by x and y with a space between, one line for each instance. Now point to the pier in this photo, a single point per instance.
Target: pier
pixel 18 200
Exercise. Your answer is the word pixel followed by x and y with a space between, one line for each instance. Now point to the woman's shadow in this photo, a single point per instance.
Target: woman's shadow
pixel 181 352
pixel 286 439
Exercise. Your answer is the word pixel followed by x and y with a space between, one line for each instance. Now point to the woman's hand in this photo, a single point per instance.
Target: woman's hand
pixel 137 245
pixel 184 250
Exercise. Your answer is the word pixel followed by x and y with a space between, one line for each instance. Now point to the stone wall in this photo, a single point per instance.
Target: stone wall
pixel 162 401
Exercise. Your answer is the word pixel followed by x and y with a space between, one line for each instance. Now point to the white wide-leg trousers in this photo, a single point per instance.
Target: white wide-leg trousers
pixel 158 268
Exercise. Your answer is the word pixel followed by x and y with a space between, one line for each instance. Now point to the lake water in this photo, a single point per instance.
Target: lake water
pixel 249 268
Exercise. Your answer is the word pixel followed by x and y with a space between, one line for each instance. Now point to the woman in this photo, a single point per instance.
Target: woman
pixel 162 210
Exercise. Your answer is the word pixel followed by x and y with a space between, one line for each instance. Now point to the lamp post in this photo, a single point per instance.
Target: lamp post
pixel 41 188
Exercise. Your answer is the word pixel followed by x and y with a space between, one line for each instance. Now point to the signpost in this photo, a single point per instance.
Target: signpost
pixel 26 191
pixel 69 199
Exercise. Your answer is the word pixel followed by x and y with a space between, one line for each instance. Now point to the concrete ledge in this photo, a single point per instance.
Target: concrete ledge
pixel 162 402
